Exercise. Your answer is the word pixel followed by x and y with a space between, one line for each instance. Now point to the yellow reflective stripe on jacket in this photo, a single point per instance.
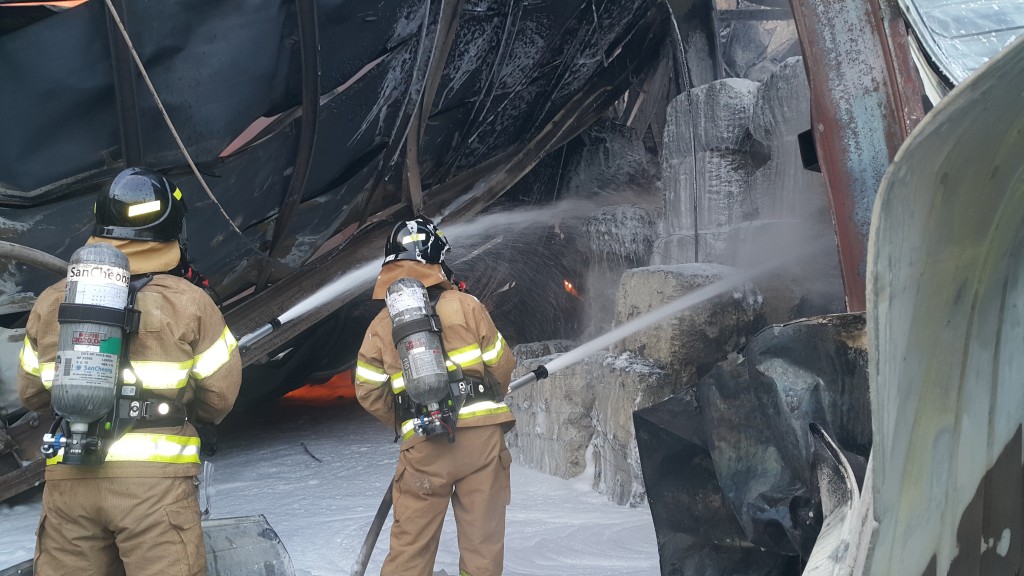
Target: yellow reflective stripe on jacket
pixel 29 360
pixel 46 371
pixel 482 408
pixel 139 447
pixel 407 429
pixel 159 375
pixel 397 383
pixel 493 354
pixel 30 364
pixel 370 373
pixel 466 356
pixel 217 355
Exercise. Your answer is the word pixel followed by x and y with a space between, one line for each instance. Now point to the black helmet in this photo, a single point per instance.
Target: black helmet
pixel 417 239
pixel 140 205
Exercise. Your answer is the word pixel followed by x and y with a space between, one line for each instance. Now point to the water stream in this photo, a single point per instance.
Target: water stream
pixel 487 227
pixel 653 317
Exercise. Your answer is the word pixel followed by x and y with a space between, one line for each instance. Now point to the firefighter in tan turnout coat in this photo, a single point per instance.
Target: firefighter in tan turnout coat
pixel 137 512
pixel 473 471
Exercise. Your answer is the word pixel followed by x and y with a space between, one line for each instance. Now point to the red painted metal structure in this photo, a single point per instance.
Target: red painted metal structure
pixel 866 96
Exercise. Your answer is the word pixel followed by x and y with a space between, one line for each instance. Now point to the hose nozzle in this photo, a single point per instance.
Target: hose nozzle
pixel 538 373
pixel 258 334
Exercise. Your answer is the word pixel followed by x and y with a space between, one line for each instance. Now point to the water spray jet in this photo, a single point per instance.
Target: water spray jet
pixel 360 277
pixel 651 318
pixel 355 279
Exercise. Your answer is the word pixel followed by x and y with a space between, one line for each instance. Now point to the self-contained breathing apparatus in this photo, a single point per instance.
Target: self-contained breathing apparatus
pixel 433 395
pixel 94 403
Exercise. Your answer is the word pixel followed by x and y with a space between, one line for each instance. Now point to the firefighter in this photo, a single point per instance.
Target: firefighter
pixel 473 471
pixel 137 511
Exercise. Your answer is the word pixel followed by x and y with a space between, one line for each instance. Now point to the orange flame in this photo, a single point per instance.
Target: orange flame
pixel 569 287
pixel 340 386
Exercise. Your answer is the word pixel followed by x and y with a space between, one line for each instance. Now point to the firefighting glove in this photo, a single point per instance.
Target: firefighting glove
pixel 207 437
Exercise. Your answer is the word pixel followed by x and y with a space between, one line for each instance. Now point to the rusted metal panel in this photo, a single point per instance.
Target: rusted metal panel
pixel 858 118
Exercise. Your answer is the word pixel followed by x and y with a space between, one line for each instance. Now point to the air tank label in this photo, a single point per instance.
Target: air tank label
pixel 98 274
pixel 426 362
pixel 85 367
pixel 401 300
pixel 86 339
pixel 97 284
pixel 95 342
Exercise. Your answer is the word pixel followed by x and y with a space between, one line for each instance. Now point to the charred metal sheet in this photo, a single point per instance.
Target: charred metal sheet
pixel 839 490
pixel 905 76
pixel 729 466
pixel 946 327
pixel 696 533
pixel 857 115
pixel 21 461
pixel 472 191
pixel 698 36
pixel 762 15
pixel 495 79
pixel 960 36
pixel 309 43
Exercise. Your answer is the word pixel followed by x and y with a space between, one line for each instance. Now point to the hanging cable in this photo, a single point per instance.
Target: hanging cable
pixel 163 112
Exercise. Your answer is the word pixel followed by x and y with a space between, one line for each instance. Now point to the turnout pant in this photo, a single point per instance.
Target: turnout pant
pixel 118 526
pixel 473 474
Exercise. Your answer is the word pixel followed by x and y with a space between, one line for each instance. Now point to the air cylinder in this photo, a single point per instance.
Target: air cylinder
pixel 88 353
pixel 421 352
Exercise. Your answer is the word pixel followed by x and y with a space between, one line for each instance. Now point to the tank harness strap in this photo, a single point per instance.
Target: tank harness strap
pixel 127 319
pixel 430 323
pixel 479 390
pixel 144 411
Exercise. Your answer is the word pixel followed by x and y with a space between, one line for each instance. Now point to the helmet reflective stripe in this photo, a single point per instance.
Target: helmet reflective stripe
pixel 159 375
pixel 370 373
pixel 482 408
pixel 397 383
pixel 217 355
pixel 29 360
pixel 493 354
pixel 138 447
pixel 414 238
pixel 144 208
